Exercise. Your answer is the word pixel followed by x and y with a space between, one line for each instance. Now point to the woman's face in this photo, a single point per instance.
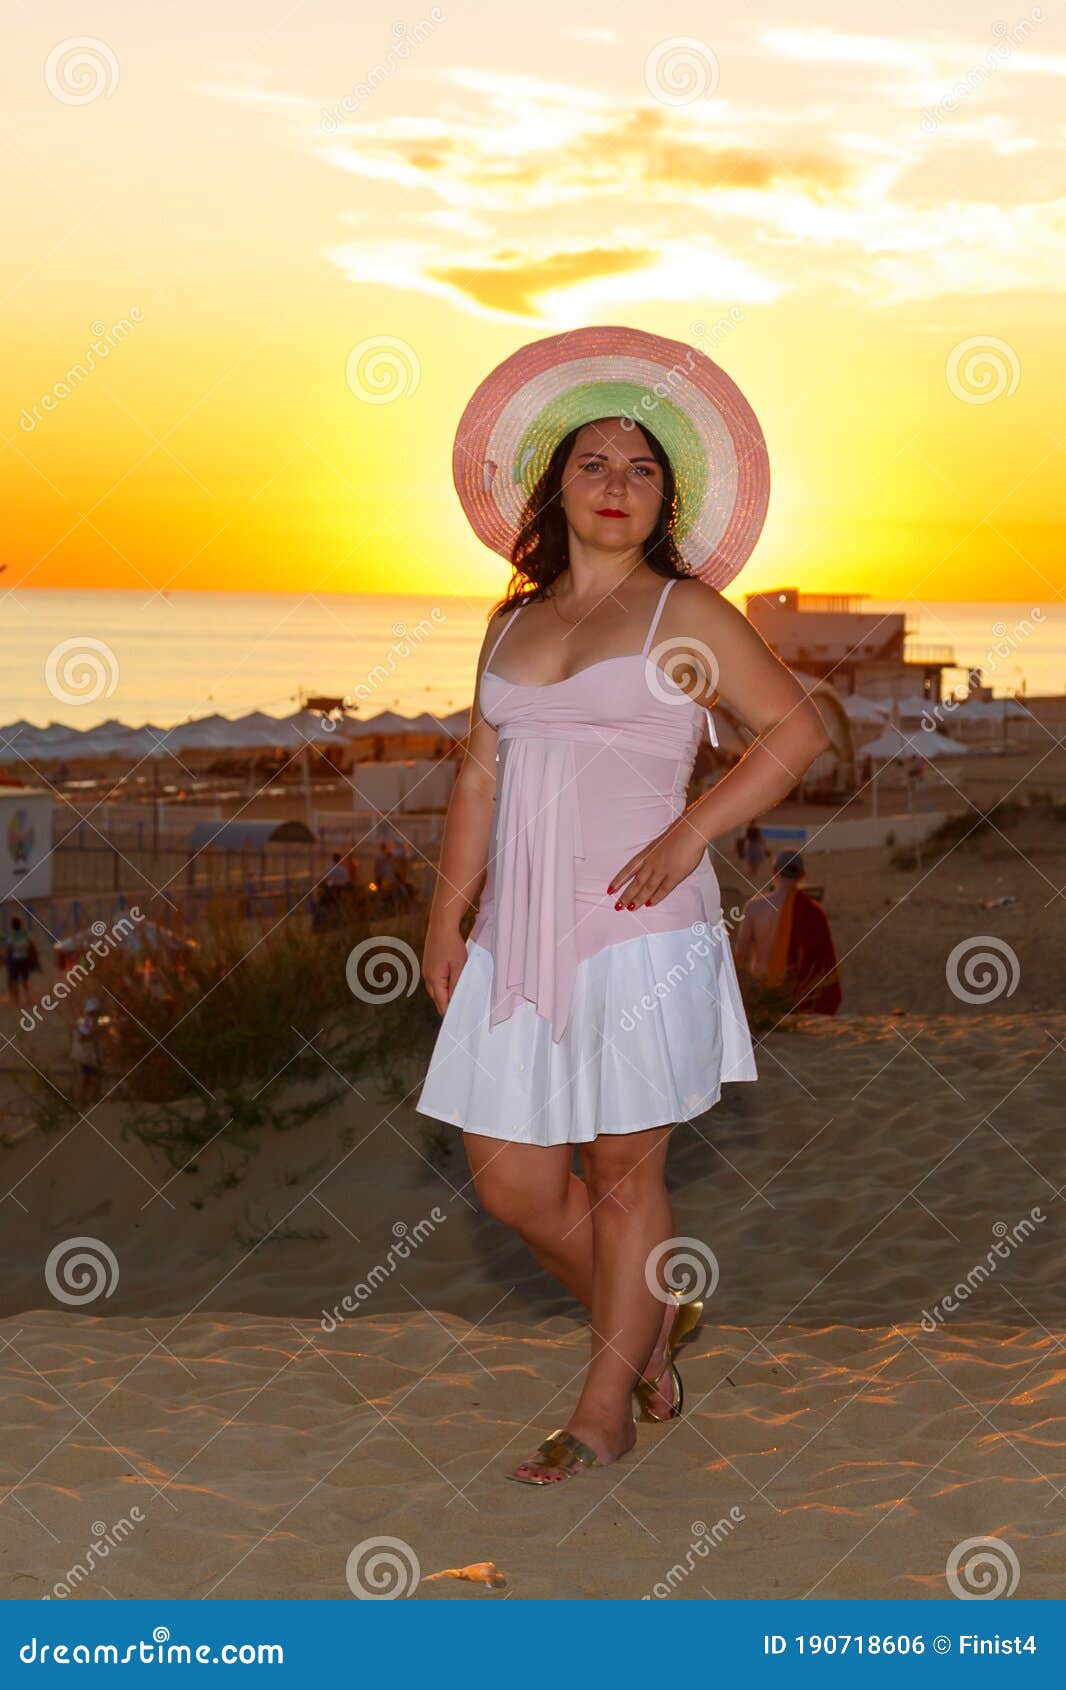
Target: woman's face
pixel 611 469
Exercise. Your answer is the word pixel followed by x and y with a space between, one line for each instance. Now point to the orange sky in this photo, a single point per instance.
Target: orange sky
pixel 866 230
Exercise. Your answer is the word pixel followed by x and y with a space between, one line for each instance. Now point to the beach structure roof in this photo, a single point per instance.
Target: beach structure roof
pixel 254 731
pixel 860 709
pixel 909 708
pixel 893 743
pixel 243 833
pixel 990 709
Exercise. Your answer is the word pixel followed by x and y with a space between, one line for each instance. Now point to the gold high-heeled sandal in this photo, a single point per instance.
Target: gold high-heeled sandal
pixel 561 1450
pixel 685 1322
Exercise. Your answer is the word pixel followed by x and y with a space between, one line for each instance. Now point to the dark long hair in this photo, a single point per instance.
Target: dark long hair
pixel 542 550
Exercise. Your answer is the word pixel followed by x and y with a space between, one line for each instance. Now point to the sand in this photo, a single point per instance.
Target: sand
pixel 831 1446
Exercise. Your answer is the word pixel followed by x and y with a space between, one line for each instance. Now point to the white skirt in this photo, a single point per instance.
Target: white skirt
pixel 656 1025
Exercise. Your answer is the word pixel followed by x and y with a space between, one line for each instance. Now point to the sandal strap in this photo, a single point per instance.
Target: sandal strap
pixel 561 1449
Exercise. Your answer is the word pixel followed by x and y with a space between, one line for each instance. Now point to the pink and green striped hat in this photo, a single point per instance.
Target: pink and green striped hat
pixel 525 406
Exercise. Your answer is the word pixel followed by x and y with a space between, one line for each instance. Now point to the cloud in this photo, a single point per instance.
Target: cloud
pixel 646 150
pixel 532 197
pixel 925 70
pixel 513 282
pixel 590 32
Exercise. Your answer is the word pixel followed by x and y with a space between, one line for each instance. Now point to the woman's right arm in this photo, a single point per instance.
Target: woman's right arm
pixel 464 848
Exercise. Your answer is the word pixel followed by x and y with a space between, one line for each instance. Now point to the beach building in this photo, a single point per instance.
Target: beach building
pixel 860 651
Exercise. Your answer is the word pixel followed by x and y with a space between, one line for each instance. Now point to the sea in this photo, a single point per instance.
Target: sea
pixel 85 657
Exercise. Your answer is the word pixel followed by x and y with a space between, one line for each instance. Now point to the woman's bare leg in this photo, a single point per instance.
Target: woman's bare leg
pixel 629 1214
pixel 532 1189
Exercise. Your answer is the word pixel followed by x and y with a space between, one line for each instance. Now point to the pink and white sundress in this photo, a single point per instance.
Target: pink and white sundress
pixel 571 1018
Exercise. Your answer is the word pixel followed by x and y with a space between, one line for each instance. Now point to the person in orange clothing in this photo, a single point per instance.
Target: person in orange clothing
pixel 784 939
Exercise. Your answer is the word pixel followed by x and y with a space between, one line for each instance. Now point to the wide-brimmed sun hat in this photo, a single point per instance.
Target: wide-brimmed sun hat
pixel 525 406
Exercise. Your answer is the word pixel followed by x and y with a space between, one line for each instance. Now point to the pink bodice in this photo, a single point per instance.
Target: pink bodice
pixel 591 769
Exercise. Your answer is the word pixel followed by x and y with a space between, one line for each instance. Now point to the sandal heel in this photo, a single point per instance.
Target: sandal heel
pixel 686 1321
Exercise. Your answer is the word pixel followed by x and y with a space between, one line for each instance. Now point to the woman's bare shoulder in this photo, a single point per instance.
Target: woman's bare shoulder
pixel 696 598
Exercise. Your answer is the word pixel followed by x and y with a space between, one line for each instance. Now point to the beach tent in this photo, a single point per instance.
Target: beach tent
pixel 892 744
pixel 246 834
pixel 457 725
pixel 991 709
pixel 860 709
pixel 909 709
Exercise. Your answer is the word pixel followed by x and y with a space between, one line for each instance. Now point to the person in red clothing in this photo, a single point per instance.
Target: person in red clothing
pixel 784 939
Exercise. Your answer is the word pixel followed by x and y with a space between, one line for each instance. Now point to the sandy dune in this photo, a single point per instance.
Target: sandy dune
pixel 831 1446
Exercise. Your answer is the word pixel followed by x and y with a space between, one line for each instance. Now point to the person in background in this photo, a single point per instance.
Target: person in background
pixel 383 866
pixel 406 892
pixel 336 874
pixel 361 894
pixel 85 1053
pixel 784 939
pixel 754 846
pixel 17 956
pixel 336 882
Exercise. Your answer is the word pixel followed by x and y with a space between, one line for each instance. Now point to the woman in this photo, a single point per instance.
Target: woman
pixel 595 1000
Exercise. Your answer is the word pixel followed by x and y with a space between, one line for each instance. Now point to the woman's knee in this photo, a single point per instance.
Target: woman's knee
pixel 513 1189
pixel 619 1182
pixel 504 1200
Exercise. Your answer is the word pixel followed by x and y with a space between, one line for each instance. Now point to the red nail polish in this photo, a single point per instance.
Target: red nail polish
pixel 618 906
pixel 631 906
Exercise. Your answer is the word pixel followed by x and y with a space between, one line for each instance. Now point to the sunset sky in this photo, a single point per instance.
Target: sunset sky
pixel 304 232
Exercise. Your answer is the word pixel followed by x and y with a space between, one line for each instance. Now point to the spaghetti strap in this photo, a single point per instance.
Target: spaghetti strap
pixel 506 626
pixel 655 618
